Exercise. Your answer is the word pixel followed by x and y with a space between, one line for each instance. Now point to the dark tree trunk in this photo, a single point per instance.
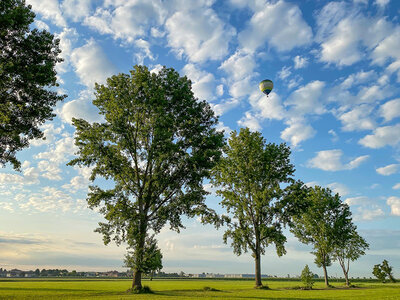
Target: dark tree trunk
pixel 137 280
pixel 258 269
pixel 325 275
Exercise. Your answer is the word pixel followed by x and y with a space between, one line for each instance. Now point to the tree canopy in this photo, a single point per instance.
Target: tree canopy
pixel 325 222
pixel 157 144
pixel 27 72
pixel 249 178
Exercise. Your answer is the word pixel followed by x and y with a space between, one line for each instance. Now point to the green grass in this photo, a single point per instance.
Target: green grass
pixel 189 289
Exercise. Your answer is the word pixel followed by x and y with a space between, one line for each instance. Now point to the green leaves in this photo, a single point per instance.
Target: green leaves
pixel 27 74
pixel 156 145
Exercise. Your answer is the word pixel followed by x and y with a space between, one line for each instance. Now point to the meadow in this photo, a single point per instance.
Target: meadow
pixel 188 289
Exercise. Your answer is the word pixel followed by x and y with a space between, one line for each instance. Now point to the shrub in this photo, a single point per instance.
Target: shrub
pixel 307 278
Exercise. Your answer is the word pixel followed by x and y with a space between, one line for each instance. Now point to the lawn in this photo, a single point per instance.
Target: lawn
pixel 188 289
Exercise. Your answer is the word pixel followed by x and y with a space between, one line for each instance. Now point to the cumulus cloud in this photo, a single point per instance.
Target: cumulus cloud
pixel 366 209
pixel 281 24
pixel 297 132
pixel 203 83
pixel 239 65
pixel 359 118
pixel 396 186
pixel 338 188
pixel 345 34
pixel 60 152
pixel 224 106
pixel 390 110
pixel 251 121
pixel 307 99
pixel 200 35
pixel 127 20
pixel 67 37
pixel 49 10
pixel 388 170
pixel 382 136
pixel 91 64
pixel 49 170
pixel 394 203
pixel 50 132
pixel 76 10
pixel 300 62
pixel 270 107
pixel 358 78
pixel 81 108
pixel 331 160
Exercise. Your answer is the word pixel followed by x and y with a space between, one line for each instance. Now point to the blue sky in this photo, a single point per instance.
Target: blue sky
pixel 336 102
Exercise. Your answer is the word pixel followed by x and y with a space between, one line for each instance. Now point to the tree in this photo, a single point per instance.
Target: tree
pixel 381 271
pixel 324 224
pixel 349 249
pixel 249 178
pixel 27 71
pixel 157 143
pixel 152 260
pixel 307 278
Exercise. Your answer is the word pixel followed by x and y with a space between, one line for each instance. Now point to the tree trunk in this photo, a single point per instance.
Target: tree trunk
pixel 258 269
pixel 325 275
pixel 346 276
pixel 137 280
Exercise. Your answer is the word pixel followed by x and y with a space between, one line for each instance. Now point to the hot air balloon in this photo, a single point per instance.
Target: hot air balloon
pixel 266 86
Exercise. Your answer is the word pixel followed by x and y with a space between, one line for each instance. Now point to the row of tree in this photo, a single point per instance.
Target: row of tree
pixel 157 145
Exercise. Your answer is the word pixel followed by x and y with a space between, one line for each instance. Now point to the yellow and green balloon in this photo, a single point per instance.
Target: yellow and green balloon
pixel 266 86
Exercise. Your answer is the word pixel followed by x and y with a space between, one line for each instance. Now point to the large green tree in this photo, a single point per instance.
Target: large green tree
pixel 250 179
pixel 27 71
pixel 157 143
pixel 324 224
pixel 349 248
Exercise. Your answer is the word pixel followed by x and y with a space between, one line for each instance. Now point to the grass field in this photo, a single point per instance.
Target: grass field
pixel 188 289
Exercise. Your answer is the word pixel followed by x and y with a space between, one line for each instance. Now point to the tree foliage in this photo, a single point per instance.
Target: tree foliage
pixel 157 144
pixel 249 178
pixel 349 248
pixel 324 224
pixel 152 258
pixel 27 71
pixel 307 277
pixel 383 271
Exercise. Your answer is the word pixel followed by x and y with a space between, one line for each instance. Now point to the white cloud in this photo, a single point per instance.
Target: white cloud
pixel 62 150
pixel 49 170
pixel 76 10
pixel 300 62
pixel 242 88
pixel 41 25
pixel 281 24
pixel 390 110
pixel 339 188
pixel 346 35
pixel 396 186
pixel 67 37
pixel 225 106
pixel 331 160
pixel 203 83
pixel 388 170
pixel 394 203
pixel 81 108
pixel 50 132
pixel 307 99
pixel 382 136
pixel 297 132
pixel 360 200
pixel 284 72
pixel 239 65
pixel 144 51
pixel 50 10
pixel 358 78
pixel 358 118
pixel 387 48
pixel 268 107
pixel 48 199
pixel 369 213
pixel 91 64
pixel 199 34
pixel 250 121
pixel 381 3
pixel 127 20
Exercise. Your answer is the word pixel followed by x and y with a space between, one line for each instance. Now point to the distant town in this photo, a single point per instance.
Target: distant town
pixel 16 273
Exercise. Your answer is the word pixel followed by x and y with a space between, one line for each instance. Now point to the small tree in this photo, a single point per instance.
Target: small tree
pixel 307 277
pixel 324 224
pixel 152 260
pixel 381 271
pixel 249 179
pixel 350 249
pixel 27 70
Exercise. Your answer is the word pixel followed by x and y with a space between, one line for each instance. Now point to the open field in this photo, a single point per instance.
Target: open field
pixel 187 289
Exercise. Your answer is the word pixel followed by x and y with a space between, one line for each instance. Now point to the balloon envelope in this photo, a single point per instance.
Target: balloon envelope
pixel 266 86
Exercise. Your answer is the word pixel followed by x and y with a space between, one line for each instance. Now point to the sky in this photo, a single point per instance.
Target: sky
pixel 336 102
